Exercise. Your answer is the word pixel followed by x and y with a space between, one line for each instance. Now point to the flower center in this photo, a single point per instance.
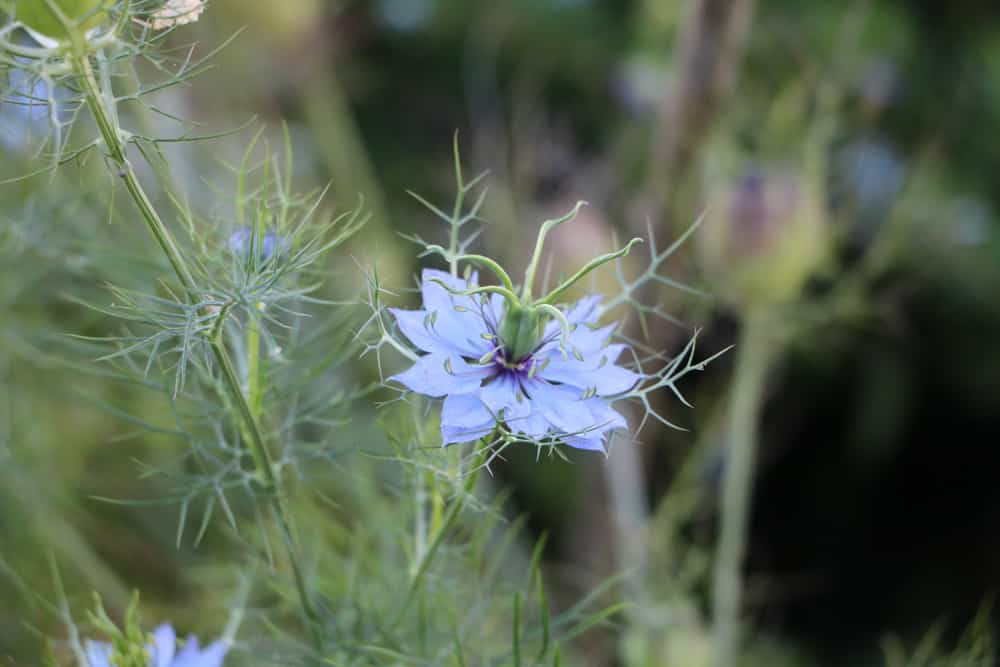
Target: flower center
pixel 505 360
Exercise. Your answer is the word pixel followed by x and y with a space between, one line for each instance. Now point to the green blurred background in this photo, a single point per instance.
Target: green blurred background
pixel 844 157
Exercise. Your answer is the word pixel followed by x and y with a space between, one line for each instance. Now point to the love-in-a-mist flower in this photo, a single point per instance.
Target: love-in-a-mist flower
pixel 538 370
pixel 162 652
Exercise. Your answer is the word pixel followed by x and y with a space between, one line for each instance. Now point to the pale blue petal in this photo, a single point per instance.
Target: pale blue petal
pixel 451 435
pixel 464 418
pixel 597 372
pixel 214 654
pixel 465 411
pixel 596 358
pixel 437 375
pixel 438 333
pixel 433 285
pixel 610 380
pixel 457 320
pixel 606 418
pixel 413 324
pixel 192 656
pixel 613 352
pixel 504 395
pixel 586 339
pixel 593 444
pixel 164 645
pixel 561 406
pixel 448 323
pixel 581 423
pixel 535 426
pixel 98 654
pixel 583 339
pixel 586 310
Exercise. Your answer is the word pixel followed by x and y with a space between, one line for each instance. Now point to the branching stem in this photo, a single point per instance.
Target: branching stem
pixel 100 103
pixel 441 532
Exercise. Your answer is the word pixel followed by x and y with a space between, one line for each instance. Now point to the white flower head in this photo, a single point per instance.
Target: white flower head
pixel 177 12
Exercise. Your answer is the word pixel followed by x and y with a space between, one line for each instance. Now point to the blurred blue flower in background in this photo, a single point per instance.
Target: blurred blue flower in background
pixel 406 15
pixel 163 652
pixel 561 389
pixel 268 244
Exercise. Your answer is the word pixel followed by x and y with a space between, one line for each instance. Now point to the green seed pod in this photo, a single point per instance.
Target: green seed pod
pixel 40 16
pixel 521 329
pixel 764 238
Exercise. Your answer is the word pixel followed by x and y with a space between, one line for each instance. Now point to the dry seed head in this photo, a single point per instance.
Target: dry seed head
pixel 176 12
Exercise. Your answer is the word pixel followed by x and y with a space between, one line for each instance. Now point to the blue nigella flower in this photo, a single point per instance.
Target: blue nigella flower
pixel 163 652
pixel 497 363
pixel 267 244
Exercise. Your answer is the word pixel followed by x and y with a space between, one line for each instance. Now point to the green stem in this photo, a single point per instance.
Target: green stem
pixel 267 475
pixel 754 357
pixel 441 532
pixel 456 211
pixel 101 109
pixel 254 393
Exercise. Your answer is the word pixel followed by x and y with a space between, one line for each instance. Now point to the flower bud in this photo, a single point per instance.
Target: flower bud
pixel 38 15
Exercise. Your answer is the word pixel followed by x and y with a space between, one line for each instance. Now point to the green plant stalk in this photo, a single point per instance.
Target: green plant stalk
pixel 272 484
pixel 100 109
pixel 754 354
pixel 254 393
pixel 456 212
pixel 448 520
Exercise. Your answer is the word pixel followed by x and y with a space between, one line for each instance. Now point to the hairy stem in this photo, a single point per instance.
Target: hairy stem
pixel 754 357
pixel 101 105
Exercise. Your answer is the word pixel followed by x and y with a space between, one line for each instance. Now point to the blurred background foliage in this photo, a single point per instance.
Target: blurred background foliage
pixel 842 156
